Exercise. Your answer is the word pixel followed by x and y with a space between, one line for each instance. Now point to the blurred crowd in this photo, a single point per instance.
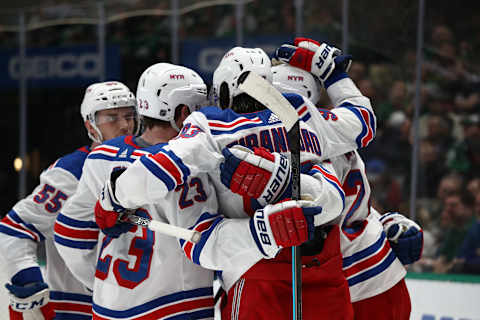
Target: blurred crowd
pixel 448 183
pixel 448 189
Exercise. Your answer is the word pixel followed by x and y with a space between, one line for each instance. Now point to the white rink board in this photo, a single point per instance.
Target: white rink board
pixel 444 300
pixel 431 300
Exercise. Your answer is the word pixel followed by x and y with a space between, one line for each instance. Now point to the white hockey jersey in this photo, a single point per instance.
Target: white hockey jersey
pixel 197 150
pixel 369 264
pixel 141 274
pixel 31 220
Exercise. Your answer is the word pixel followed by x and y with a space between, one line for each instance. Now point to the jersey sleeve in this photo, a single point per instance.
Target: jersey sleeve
pixel 151 177
pixel 322 186
pixel 225 245
pixel 31 219
pixel 350 125
pixel 76 233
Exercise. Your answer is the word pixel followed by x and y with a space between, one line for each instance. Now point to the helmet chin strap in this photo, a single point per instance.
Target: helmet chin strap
pixel 92 136
pixel 174 125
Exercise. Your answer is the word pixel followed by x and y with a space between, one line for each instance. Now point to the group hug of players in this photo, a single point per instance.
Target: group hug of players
pixel 224 171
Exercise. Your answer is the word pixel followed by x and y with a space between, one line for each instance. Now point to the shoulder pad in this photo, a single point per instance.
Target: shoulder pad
pixel 295 99
pixel 155 149
pixel 73 162
pixel 118 141
pixel 226 115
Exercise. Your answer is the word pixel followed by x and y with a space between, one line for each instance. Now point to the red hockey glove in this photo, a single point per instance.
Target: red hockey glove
pixel 318 58
pixel 282 225
pixel 109 214
pixel 260 174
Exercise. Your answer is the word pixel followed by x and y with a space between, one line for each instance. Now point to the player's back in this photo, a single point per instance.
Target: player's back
pixel 143 273
pixel 32 219
pixel 369 264
pixel 259 129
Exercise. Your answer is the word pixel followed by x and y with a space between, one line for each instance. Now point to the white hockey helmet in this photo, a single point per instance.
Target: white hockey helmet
pixel 288 79
pixel 236 61
pixel 103 96
pixel 162 87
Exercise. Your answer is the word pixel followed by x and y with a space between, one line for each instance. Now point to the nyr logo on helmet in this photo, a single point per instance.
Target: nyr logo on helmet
pixel 295 78
pixel 177 77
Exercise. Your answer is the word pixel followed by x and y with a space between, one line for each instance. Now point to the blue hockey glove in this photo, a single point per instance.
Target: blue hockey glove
pixel 29 296
pixel 405 236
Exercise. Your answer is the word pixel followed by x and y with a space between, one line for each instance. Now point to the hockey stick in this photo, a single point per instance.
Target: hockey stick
pixel 165 228
pixel 260 89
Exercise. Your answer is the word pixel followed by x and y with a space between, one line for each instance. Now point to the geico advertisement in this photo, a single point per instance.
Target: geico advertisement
pixel 444 300
pixel 59 67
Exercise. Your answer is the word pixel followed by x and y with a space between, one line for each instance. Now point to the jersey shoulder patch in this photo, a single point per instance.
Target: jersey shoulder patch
pixel 73 162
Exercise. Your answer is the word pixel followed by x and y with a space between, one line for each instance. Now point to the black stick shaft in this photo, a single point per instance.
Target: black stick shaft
pixel 293 137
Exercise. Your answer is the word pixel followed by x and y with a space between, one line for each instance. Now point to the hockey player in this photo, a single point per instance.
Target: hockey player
pixel 375 274
pixel 260 289
pixel 139 273
pixel 108 110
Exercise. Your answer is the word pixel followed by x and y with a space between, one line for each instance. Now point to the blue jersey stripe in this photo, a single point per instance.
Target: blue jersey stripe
pixel 374 271
pixel 15 217
pixel 59 295
pixel 333 183
pixel 347 261
pixel 14 233
pixel 198 247
pixel 157 171
pixel 75 244
pixel 76 223
pixel 365 126
pixel 183 168
pixel 306 117
pixel 109 158
pixel 200 314
pixel 71 316
pixel 148 306
pixel 237 129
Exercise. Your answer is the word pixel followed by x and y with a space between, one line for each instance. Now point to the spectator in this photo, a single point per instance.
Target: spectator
pixel 456 219
pixel 357 71
pixel 469 255
pixel 431 168
pixel 393 146
pixel 451 183
pixel 473 186
pixel 397 102
pixel 464 157
pixel 386 190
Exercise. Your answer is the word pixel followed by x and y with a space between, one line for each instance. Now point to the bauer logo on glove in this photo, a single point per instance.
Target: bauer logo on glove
pixel 260 174
pixel 282 225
